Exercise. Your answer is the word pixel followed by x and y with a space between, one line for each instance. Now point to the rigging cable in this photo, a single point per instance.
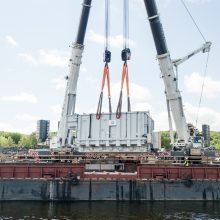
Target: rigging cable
pixel 207 60
pixel 203 83
pixel 125 55
pixel 193 20
pixel 107 59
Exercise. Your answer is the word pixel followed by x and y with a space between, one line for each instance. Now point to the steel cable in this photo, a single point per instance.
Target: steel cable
pixel 203 83
pixel 193 20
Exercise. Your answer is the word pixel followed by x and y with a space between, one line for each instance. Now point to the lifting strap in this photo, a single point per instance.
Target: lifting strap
pixel 125 56
pixel 107 59
pixel 124 76
pixel 105 77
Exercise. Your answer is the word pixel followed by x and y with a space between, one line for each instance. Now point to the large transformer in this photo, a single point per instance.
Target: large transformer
pixel 131 133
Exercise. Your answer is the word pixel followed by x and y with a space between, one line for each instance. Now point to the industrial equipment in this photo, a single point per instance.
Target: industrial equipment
pixel 74 64
pixel 187 138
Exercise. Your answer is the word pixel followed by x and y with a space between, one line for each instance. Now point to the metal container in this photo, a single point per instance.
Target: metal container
pixel 131 133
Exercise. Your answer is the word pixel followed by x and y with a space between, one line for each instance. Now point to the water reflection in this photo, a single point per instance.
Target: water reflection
pixel 110 210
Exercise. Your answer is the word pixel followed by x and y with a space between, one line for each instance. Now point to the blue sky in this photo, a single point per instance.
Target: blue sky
pixel 35 37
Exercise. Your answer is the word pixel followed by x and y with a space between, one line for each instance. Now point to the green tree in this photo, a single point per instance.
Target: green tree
pixel 16 137
pixel 28 140
pixel 10 142
pixel 165 139
pixel 33 140
pixel 215 139
pixel 3 141
pixel 23 141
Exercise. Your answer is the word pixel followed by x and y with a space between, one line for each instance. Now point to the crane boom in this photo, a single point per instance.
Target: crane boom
pixel 172 92
pixel 204 48
pixel 74 67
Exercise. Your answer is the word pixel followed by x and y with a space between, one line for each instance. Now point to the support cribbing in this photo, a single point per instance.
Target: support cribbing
pixel 125 56
pixel 107 59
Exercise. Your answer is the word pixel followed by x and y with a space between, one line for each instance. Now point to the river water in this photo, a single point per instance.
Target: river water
pixel 110 210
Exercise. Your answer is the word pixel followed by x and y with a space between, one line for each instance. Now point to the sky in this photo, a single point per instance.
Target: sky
pixel 35 40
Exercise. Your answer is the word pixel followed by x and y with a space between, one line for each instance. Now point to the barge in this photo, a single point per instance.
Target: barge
pixel 54 182
pixel 144 178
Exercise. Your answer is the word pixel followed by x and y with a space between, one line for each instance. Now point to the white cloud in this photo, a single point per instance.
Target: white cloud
pixel 28 129
pixel 160 121
pixel 53 58
pixel 56 109
pixel 194 82
pixel 83 69
pixel 9 39
pixel 24 129
pixel 206 116
pixel 138 93
pixel 59 82
pixel 142 106
pixel 28 58
pixel 6 127
pixel 116 41
pixel 21 97
pixel 137 4
pixel 138 1
pixel 56 58
pixel 27 117
pixel 199 1
pixel 54 125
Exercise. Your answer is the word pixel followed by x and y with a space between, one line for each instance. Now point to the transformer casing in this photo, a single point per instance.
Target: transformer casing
pixel 131 133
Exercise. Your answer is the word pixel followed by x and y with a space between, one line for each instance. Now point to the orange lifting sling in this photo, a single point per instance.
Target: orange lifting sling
pixel 105 77
pixel 124 76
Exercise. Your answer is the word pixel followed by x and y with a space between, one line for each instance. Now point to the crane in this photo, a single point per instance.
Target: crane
pixel 185 138
pixel 74 67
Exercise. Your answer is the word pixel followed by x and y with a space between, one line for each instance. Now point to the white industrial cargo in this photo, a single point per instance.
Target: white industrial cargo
pixel 157 140
pixel 131 133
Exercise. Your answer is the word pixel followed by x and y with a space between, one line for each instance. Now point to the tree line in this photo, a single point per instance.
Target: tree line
pixel 13 139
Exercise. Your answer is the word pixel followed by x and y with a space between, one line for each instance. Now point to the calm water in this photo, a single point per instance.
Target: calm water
pixel 110 210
